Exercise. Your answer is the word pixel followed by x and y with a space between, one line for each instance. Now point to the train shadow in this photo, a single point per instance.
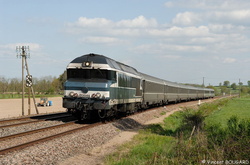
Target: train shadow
pixel 128 124
pixel 63 117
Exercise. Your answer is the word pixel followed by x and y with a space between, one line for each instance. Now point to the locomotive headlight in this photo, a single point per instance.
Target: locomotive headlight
pixel 71 94
pixel 87 63
pixel 98 95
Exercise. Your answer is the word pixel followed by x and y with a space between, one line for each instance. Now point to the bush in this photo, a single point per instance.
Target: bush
pixel 191 119
pixel 234 139
pixel 214 143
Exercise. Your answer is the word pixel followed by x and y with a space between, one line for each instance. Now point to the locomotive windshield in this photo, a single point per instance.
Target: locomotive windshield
pixel 91 74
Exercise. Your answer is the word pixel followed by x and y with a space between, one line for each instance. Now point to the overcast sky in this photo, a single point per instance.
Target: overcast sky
pixel 177 40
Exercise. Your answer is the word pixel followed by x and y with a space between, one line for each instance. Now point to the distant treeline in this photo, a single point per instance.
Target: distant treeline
pixel 43 85
pixel 54 85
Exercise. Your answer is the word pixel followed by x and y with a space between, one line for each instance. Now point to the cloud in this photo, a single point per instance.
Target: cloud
pixel 102 40
pixel 33 46
pixel 186 18
pixel 172 57
pixel 10 49
pixel 233 18
pixel 240 17
pixel 226 28
pixel 138 22
pixel 209 4
pixel 161 48
pixel 235 12
pixel 198 33
pixel 139 26
pixel 99 25
pixel 176 31
pixel 92 22
pixel 229 60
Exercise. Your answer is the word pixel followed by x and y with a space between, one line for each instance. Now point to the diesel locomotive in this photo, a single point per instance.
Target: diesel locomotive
pixel 100 86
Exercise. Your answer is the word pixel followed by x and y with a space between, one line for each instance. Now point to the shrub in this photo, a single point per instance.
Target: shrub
pixel 234 139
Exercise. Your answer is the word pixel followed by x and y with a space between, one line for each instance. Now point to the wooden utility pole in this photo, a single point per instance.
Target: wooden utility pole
pixel 22 52
pixel 239 88
pixel 31 86
pixel 29 108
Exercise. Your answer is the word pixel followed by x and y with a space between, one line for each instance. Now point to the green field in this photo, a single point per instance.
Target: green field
pixel 217 131
pixel 239 107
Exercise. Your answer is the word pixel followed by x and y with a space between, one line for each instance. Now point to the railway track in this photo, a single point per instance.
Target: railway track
pixel 34 131
pixel 39 140
pixel 29 120
pixel 31 117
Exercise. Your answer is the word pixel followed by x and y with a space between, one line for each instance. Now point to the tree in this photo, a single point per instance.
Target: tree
pixel 245 89
pixel 4 85
pixel 56 85
pixel 225 90
pixel 226 83
pixel 234 86
pixel 248 83
pixel 62 78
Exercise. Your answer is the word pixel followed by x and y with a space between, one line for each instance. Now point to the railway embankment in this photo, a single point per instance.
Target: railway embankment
pixel 214 133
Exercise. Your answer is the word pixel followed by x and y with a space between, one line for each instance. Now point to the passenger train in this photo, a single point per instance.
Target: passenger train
pixel 100 86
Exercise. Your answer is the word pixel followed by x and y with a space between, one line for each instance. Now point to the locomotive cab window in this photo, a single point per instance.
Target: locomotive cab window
pixel 91 74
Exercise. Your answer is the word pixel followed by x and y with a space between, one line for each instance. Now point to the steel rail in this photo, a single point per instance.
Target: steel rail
pixel 17 119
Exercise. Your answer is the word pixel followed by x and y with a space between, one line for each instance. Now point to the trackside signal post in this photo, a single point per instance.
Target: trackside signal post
pixel 22 52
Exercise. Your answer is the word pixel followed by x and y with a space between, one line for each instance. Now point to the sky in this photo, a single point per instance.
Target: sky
pixel 177 40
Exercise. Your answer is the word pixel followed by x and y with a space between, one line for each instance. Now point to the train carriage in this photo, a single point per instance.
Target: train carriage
pixel 183 92
pixel 193 93
pixel 208 93
pixel 153 90
pixel 171 92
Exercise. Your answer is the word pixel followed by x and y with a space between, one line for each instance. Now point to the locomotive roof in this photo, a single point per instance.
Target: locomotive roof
pixel 96 58
pixel 101 59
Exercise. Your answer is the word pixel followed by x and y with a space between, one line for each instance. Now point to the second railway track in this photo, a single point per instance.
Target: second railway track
pixel 29 138
pixel 29 120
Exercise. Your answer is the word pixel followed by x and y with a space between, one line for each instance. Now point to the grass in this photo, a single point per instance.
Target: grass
pixel 216 131
pixel 239 107
pixel 146 148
